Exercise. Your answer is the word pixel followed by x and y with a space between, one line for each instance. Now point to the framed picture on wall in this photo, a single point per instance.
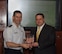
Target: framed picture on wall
pixel 30 8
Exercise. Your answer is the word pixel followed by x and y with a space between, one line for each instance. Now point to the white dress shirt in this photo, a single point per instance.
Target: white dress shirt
pixel 40 27
pixel 14 34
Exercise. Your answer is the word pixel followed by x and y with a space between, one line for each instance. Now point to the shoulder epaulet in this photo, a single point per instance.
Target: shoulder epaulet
pixel 10 26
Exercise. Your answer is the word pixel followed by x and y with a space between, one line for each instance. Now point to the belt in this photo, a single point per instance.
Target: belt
pixel 11 49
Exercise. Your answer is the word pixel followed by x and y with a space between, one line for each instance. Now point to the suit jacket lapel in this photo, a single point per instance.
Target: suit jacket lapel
pixel 35 33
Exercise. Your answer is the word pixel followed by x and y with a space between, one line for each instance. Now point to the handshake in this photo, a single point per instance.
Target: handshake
pixel 29 43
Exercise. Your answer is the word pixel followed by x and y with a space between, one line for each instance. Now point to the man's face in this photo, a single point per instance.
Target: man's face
pixel 17 18
pixel 39 20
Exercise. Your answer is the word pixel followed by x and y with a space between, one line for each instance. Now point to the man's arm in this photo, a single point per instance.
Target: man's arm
pixel 7 35
pixel 14 45
pixel 48 42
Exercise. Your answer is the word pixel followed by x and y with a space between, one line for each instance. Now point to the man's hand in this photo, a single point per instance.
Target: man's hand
pixel 26 46
pixel 35 44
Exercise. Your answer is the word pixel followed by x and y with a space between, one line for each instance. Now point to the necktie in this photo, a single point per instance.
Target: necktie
pixel 37 33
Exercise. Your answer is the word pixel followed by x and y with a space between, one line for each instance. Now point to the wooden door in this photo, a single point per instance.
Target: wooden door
pixel 1 42
pixel 59 42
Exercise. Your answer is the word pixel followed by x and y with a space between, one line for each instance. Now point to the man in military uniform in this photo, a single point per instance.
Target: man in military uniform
pixel 14 35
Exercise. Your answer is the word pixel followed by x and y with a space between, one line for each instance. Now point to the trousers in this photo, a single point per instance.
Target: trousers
pixel 12 51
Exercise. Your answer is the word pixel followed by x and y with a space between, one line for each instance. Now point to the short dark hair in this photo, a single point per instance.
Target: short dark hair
pixel 40 14
pixel 16 11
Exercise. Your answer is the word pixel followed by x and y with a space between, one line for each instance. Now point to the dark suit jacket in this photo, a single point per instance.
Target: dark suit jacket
pixel 46 41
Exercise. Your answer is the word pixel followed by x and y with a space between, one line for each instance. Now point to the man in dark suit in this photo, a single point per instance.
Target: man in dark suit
pixel 45 39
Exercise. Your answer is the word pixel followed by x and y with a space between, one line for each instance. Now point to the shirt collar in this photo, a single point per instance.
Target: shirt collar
pixel 15 25
pixel 41 26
